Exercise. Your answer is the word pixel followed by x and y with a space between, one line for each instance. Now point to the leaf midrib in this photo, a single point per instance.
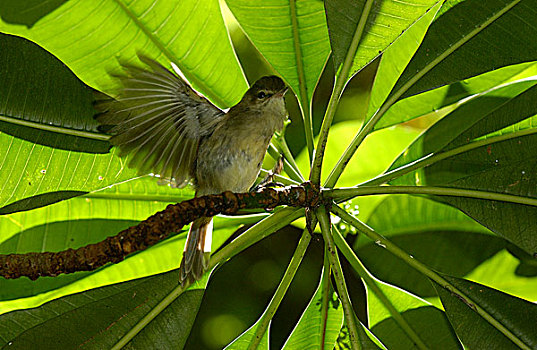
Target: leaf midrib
pixel 55 129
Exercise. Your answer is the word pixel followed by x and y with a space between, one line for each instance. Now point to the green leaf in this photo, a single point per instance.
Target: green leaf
pixel 432 101
pixel 291 35
pixel 47 133
pixel 478 116
pixel 34 175
pixel 501 165
pixel 386 20
pixel 464 33
pixel 99 318
pixel 15 12
pixel 429 323
pixel 308 332
pixel 43 102
pixel 438 235
pixel 88 37
pixel 396 57
pixel 517 316
pixel 80 221
pixel 392 312
pixel 244 340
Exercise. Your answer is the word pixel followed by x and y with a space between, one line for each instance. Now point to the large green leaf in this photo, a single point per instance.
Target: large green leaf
pixel 89 36
pixel 436 234
pixel 309 332
pixel 49 147
pixel 396 57
pixel 291 35
pixel 484 114
pixel 99 318
pixel 469 38
pixel 433 100
pixel 517 316
pixel 83 220
pixel 426 321
pixel 386 20
pixel 42 101
pixel 34 175
pixel 399 319
pixel 504 165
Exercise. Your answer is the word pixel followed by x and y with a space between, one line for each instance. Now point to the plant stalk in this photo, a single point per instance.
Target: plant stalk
pixel 337 271
pixel 436 157
pixel 341 80
pixel 425 270
pixel 351 192
pixel 371 283
pixel 370 125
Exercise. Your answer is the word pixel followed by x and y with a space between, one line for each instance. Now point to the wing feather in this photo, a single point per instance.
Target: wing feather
pixel 159 120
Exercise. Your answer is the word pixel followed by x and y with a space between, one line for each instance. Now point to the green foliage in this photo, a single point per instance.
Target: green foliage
pixel 451 111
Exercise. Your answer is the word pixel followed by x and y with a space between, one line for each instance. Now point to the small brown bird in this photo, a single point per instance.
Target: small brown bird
pixel 167 128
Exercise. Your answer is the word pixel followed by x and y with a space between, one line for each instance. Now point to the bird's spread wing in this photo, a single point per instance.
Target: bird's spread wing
pixel 158 119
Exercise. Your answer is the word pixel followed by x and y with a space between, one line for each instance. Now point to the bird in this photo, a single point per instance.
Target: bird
pixel 165 127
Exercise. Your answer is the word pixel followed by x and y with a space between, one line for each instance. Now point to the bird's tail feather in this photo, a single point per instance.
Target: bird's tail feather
pixel 197 250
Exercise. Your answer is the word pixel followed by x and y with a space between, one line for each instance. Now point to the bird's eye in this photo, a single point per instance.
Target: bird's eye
pixel 261 94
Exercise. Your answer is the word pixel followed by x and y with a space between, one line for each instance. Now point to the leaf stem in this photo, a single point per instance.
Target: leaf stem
pixel 341 80
pixel 433 158
pixel 281 145
pixel 325 285
pixel 337 271
pixel 425 270
pixel 265 319
pixel 344 193
pixel 371 283
pixel 55 129
pixel 370 125
pixel 279 178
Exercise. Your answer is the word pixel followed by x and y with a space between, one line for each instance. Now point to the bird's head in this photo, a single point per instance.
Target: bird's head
pixel 266 96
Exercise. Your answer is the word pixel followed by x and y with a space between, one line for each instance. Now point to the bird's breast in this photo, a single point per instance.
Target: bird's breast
pixel 230 162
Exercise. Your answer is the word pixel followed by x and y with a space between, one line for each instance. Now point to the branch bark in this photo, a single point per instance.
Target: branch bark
pixel 152 230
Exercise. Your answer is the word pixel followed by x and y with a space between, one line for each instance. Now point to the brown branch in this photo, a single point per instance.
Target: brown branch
pixel 150 231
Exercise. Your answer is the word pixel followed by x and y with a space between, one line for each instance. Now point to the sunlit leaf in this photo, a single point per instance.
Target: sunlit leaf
pixel 503 167
pixel 433 100
pixel 436 234
pixel 291 35
pixel 467 39
pixel 385 22
pixel 500 272
pixel 89 36
pixel 396 57
pixel 89 219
